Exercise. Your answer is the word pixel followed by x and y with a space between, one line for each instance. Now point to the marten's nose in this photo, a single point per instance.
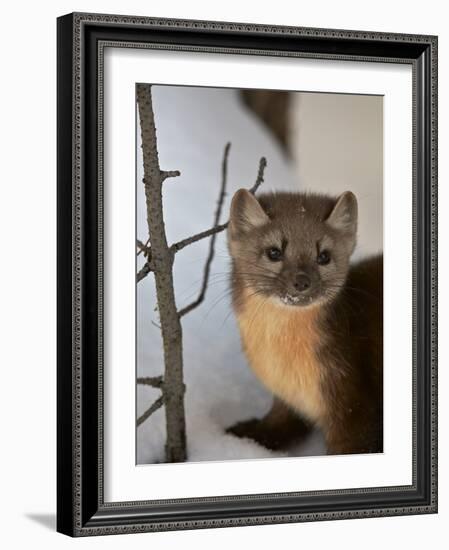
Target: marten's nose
pixel 302 282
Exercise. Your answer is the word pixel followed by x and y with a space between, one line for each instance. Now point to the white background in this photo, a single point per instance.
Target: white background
pixel 28 274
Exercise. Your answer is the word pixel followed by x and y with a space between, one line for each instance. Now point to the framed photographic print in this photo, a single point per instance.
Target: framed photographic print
pixel 247 284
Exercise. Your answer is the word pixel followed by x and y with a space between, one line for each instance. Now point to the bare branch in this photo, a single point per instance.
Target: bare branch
pixel 148 266
pixel 169 174
pixel 260 174
pixel 154 381
pixel 154 407
pixel 144 271
pixel 144 247
pixel 162 260
pixel 176 247
pixel 210 256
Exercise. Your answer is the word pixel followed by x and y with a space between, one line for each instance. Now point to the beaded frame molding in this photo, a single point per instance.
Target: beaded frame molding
pixel 81 510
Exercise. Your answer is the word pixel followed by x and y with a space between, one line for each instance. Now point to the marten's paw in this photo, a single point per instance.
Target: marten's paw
pixel 256 430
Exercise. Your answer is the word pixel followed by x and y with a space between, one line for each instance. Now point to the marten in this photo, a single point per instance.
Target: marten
pixel 310 321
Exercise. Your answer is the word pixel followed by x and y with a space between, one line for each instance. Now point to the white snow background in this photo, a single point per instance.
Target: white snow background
pixel 193 125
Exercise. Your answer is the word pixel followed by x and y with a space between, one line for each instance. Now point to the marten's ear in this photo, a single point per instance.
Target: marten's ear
pixel 246 213
pixel 344 214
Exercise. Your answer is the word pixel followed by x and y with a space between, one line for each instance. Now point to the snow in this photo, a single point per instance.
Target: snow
pixel 193 126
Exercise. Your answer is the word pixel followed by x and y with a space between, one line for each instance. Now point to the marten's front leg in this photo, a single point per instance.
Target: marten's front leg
pixel 276 430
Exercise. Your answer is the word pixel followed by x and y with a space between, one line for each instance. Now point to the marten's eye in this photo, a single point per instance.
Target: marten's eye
pixel 274 254
pixel 323 257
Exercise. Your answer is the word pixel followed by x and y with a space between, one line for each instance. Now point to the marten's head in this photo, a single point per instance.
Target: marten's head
pixel 292 247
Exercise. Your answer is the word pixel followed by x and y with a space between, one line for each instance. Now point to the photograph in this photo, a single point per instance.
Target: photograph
pixel 259 273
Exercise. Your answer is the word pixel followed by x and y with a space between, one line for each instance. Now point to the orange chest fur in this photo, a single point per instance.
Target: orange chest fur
pixel 280 344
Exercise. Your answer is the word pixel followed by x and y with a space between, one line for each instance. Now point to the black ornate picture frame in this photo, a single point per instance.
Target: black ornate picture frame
pixel 81 509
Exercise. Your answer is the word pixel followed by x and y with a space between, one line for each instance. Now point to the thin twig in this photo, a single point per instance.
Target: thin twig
pixel 176 247
pixel 210 256
pixel 143 247
pixel 154 407
pixel 147 266
pixel 260 173
pixel 169 174
pixel 144 271
pixel 154 381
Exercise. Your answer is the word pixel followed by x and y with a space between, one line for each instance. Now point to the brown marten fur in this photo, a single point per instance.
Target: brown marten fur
pixel 310 323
